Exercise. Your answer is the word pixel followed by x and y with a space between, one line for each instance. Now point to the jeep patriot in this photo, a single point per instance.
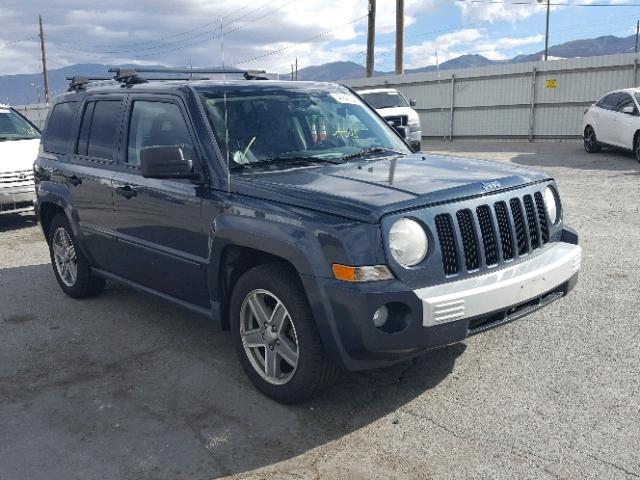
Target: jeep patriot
pixel 295 216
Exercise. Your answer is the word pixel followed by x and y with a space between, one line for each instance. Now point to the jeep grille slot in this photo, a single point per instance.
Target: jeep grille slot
pixel 488 235
pixel 542 217
pixel 444 228
pixel 469 240
pixel 506 241
pixel 518 221
pixel 531 221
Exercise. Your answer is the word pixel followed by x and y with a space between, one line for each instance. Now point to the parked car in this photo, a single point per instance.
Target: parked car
pixel 293 215
pixel 398 111
pixel 614 121
pixel 19 143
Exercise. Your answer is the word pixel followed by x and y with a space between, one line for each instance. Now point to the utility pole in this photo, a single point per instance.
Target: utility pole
pixel 292 71
pixel 546 36
pixel 296 69
pixel 637 34
pixel 371 37
pixel 45 75
pixel 399 37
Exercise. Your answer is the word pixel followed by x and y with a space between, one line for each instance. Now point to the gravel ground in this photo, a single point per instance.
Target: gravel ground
pixel 124 386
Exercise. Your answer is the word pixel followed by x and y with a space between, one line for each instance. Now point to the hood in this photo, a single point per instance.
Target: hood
pixel 395 111
pixel 17 155
pixel 367 190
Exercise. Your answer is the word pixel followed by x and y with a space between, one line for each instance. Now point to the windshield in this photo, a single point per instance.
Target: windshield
pixel 274 124
pixel 14 127
pixel 385 99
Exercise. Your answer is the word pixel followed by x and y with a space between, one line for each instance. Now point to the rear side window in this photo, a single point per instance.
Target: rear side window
pixel 58 135
pixel 99 129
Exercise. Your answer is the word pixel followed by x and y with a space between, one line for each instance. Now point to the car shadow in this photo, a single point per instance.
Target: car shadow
pixel 161 389
pixel 17 221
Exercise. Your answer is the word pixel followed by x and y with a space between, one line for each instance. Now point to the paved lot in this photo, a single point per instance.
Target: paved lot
pixel 125 387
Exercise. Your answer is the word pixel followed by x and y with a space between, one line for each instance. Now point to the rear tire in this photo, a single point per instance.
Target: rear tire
pixel 70 266
pixel 591 144
pixel 275 335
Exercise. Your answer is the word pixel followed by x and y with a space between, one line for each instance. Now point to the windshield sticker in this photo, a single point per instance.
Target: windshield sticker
pixel 344 98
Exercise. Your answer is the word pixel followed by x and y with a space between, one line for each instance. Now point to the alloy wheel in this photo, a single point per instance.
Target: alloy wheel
pixel 269 337
pixel 64 256
pixel 589 139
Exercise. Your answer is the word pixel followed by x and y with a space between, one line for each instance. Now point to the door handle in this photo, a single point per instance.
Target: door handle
pixel 75 180
pixel 126 191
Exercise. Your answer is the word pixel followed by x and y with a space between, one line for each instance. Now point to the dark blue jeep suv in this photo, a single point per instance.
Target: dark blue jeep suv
pixel 292 214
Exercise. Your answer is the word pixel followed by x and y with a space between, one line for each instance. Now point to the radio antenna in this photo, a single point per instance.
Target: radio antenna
pixel 226 122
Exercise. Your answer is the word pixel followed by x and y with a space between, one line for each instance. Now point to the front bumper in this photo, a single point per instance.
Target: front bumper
pixel 441 315
pixel 17 199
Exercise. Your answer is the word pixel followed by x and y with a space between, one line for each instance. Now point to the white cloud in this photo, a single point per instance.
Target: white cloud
pixel 174 31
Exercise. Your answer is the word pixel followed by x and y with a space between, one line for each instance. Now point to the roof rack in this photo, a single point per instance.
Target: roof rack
pixel 130 76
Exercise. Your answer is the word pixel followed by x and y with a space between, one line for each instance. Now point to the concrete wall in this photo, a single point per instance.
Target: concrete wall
pixel 37 112
pixel 511 101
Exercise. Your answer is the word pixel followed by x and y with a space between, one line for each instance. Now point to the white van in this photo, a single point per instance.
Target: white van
pixel 19 145
pixel 395 109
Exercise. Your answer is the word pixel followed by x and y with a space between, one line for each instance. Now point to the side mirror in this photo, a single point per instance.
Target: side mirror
pixel 413 102
pixel 629 110
pixel 165 162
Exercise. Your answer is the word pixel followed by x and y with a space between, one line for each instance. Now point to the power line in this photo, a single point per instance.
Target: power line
pixel 156 44
pixel 179 44
pixel 314 37
pixel 553 4
pixel 13 42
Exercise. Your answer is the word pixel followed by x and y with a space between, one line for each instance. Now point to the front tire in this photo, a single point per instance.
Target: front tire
pixel 636 146
pixel 275 336
pixel 70 266
pixel 591 144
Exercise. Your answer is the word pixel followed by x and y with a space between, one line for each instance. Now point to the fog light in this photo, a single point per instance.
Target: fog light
pixel 381 316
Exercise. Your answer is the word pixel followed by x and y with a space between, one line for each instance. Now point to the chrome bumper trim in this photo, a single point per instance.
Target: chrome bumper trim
pixel 501 289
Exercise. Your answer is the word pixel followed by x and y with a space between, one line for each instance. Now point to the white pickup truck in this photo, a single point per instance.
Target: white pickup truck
pixel 393 106
pixel 19 145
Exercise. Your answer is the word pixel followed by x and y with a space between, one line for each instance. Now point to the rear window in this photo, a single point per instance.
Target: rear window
pixel 58 134
pixel 99 129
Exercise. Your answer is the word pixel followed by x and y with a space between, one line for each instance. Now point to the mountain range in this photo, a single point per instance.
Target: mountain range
pixel 25 88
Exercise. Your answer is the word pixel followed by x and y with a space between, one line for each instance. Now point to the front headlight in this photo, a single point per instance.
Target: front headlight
pixel 408 242
pixel 553 204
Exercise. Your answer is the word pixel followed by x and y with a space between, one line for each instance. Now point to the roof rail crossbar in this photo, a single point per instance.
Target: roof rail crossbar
pixel 195 70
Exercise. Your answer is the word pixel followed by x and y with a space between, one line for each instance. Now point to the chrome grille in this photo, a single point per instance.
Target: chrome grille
pixel 19 178
pixel 492 233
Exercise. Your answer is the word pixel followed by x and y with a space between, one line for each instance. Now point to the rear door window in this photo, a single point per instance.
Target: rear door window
pixel 102 130
pixel 59 132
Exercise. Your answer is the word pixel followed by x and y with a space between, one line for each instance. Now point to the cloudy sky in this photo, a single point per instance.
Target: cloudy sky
pixel 271 33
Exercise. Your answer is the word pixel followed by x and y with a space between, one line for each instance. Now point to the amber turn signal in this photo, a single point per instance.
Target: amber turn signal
pixel 371 273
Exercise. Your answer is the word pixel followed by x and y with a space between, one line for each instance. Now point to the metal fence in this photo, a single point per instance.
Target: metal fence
pixel 37 112
pixel 520 101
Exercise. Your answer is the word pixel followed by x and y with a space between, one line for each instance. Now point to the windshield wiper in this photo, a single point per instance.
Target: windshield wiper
pixel 366 152
pixel 292 159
